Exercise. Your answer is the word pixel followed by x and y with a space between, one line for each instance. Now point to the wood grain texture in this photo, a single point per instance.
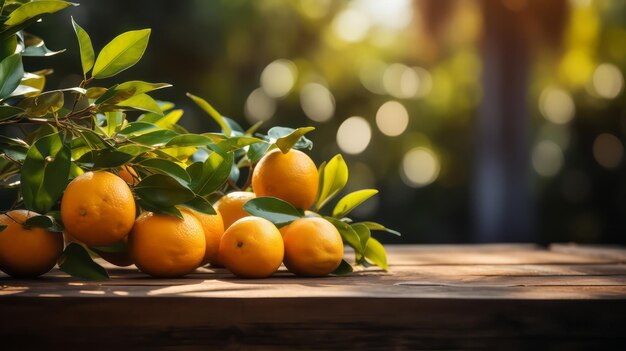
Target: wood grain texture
pixel 434 297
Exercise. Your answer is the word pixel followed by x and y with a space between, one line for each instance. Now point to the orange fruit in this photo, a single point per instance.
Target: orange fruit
pixel 291 177
pixel 313 247
pixel 167 246
pixel 252 248
pixel 230 206
pixel 129 175
pixel 27 251
pixel 98 208
pixel 213 227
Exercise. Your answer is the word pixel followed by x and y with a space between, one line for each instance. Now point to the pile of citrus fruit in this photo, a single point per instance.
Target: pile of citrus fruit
pixel 98 210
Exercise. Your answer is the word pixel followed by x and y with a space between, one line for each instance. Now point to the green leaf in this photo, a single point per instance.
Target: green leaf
pixel 114 122
pixel 7 112
pixel 375 253
pixel 163 190
pixel 137 128
pixel 237 142
pixel 343 269
pixel 134 150
pixel 347 234
pixel 168 210
pixel 35 46
pixel 352 200
pixel 166 167
pixel 139 87
pixel 287 138
pixel 87 55
pixel 254 128
pixel 42 221
pixel 3 227
pixel 333 177
pixel 8 46
pixel 274 210
pixel 190 140
pixel 41 105
pixel 378 226
pixel 11 73
pixel 201 205
pixel 121 53
pixel 45 172
pixel 363 232
pixel 120 246
pixel 34 10
pixel 212 112
pixel 142 102
pixel 104 159
pixel 167 122
pixel 76 262
pixel 257 150
pixel 211 174
pixel 156 138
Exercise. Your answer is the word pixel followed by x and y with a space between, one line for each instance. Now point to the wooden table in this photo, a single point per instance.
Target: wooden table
pixel 434 297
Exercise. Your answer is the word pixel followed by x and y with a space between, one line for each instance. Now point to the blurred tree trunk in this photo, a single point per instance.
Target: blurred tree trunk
pixel 502 193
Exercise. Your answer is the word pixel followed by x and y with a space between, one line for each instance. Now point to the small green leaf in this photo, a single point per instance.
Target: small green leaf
pixel 138 128
pixel 139 87
pixel 120 246
pixel 204 105
pixel 254 128
pixel 3 227
pixel 7 112
pixel 288 138
pixel 274 210
pixel 121 53
pixel 45 173
pixel 35 46
pixel 257 150
pixel 190 140
pixel 375 253
pixel 87 55
pixel 347 234
pixel 43 221
pixel 166 167
pixel 104 159
pixel 134 150
pixel 237 142
pixel 41 105
pixel 163 190
pixel 76 262
pixel 363 232
pixel 208 176
pixel 34 10
pixel 142 102
pixel 11 73
pixel 352 200
pixel 155 138
pixel 333 177
pixel 343 269
pixel 201 205
pixel 168 210
pixel 378 226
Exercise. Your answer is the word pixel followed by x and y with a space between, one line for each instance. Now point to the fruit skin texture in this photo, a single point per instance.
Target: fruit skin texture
pixel 252 248
pixel 129 175
pixel 166 246
pixel 98 208
pixel 230 206
pixel 27 252
pixel 313 247
pixel 213 227
pixel 291 177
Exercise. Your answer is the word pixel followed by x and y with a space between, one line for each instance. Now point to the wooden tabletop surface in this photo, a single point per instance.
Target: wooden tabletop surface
pixel 434 296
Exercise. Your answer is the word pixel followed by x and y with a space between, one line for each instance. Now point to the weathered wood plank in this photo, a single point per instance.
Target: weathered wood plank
pixel 600 251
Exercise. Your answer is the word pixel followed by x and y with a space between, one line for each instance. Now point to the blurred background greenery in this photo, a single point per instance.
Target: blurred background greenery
pixel 404 90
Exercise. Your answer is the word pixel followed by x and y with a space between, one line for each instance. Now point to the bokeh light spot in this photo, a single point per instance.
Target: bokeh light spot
pixel 556 105
pixel 278 78
pixel 392 118
pixel 351 25
pixel 608 150
pixel 547 158
pixel 354 135
pixel 608 81
pixel 420 167
pixel 317 102
pixel 259 106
